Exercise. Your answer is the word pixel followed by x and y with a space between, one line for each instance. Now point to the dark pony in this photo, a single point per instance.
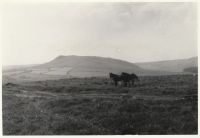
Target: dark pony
pixel 115 78
pixel 129 79
pixel 126 78
pixel 133 78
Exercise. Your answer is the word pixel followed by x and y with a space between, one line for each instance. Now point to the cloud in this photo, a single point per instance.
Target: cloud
pixel 130 31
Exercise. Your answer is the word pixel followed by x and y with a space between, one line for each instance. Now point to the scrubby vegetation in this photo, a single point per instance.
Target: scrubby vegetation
pixel 156 105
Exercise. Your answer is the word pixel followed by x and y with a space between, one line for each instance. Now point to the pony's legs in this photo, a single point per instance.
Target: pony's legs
pixel 115 83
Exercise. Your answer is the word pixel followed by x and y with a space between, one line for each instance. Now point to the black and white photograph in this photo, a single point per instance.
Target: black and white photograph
pixel 99 68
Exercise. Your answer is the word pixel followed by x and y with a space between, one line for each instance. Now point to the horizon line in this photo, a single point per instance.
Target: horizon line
pixel 101 57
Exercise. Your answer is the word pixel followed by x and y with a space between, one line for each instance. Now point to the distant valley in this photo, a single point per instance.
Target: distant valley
pixel 170 65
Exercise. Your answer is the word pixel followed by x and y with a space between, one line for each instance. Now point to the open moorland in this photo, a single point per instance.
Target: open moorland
pixel 93 106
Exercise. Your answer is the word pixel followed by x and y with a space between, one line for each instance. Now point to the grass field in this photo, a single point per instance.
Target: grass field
pixel 79 106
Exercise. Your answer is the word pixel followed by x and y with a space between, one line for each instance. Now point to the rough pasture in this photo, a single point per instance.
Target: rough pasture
pixel 157 105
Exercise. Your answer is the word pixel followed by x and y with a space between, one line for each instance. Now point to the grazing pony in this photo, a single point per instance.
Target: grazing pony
pixel 133 78
pixel 115 78
pixel 126 78
pixel 129 79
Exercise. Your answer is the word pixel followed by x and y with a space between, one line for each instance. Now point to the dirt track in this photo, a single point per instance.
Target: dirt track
pixel 48 95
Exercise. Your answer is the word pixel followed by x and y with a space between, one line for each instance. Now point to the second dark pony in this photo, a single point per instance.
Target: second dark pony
pixel 128 79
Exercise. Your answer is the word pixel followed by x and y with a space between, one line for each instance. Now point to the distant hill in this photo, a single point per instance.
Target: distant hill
pixel 90 66
pixel 88 62
pixel 74 66
pixel 93 66
pixel 191 69
pixel 170 65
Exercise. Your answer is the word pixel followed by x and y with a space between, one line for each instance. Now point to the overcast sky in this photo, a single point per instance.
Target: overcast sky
pixel 135 32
